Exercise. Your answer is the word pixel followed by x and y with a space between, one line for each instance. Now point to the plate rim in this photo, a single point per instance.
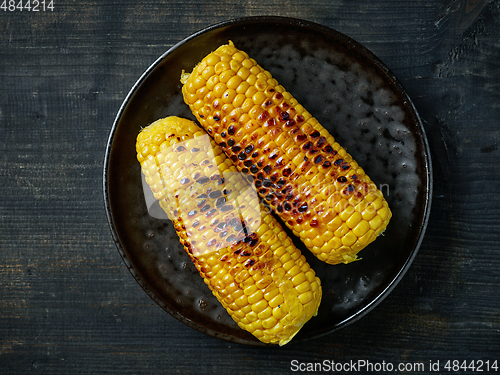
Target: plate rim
pixel 426 166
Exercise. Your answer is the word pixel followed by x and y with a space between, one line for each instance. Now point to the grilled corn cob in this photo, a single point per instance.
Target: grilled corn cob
pixel 305 176
pixel 240 250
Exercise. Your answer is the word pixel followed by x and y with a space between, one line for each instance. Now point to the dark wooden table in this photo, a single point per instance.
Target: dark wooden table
pixel 68 304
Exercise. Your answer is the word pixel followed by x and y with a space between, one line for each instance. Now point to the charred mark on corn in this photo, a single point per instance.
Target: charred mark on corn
pixel 303 207
pixel 226 208
pixel 315 134
pixel 263 116
pixel 307 146
pixel 220 201
pixel 215 194
pixel 301 137
pixel 249 262
pixel 231 238
pixel 321 142
pixel 349 189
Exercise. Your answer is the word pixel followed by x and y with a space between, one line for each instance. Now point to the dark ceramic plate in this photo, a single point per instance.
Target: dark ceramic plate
pixel 352 94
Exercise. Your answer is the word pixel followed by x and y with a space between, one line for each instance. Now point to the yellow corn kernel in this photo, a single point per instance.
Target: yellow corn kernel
pixel 303 287
pixel 278 312
pixel 295 310
pixel 251 288
pixel 342 230
pixel 242 301
pixel 334 243
pixel 295 270
pixel 318 241
pixel 255 297
pixel 288 265
pixel 276 301
pixel 349 239
pixel 384 213
pixel 299 278
pixel 306 297
pixel 360 229
pixel 259 98
pixel 327 235
pixel 229 95
pixel 346 214
pixel 310 275
pixel 369 213
pixel 353 220
pixel 270 322
pixel 266 313
pixel 252 316
pixel 368 237
pixel 269 295
pixel 226 75
pixel 376 222
pixel 259 306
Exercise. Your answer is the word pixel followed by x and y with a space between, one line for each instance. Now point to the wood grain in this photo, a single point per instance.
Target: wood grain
pixel 68 303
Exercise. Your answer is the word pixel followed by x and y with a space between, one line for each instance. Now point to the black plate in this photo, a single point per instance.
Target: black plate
pixel 352 94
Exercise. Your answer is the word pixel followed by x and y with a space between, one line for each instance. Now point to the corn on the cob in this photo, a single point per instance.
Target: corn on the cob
pixel 307 178
pixel 240 250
